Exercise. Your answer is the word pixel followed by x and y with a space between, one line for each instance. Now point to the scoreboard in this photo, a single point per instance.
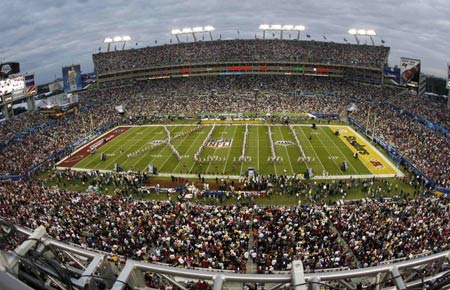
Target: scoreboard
pixel 10 85
pixel 17 87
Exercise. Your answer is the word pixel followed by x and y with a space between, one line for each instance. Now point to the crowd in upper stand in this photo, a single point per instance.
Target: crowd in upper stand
pixel 427 148
pixel 242 51
pixel 225 237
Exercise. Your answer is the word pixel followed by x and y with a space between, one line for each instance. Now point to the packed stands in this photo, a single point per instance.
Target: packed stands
pixel 223 51
pixel 225 237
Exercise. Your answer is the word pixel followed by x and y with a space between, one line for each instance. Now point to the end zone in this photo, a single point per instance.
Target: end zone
pixel 81 153
pixel 373 159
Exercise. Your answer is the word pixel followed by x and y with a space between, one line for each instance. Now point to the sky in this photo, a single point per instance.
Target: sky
pixel 45 35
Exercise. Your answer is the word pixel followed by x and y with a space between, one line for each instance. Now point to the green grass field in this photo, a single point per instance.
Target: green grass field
pixel 132 150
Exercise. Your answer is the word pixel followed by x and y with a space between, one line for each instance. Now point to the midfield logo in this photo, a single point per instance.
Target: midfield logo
pixel 219 143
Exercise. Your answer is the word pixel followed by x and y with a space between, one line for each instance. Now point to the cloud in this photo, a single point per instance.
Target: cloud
pixel 45 35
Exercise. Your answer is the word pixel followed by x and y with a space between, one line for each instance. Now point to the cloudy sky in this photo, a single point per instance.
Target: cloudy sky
pixel 44 35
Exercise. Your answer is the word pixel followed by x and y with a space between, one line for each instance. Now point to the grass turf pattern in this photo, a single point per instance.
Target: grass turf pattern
pixel 324 150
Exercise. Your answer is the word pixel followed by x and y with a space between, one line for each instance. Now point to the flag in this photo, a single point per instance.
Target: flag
pixel 136 44
pixel 382 41
pixel 307 35
pixel 345 39
pixel 99 48
pixel 156 41
pixel 324 37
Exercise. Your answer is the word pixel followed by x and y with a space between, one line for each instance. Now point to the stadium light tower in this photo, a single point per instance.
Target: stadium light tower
pixel 116 39
pixel 362 32
pixel 371 33
pixel 299 29
pixel 108 40
pixel 209 29
pixel 193 31
pixel 176 32
pixel 281 28
pixel 353 32
pixel 125 39
pixel 264 27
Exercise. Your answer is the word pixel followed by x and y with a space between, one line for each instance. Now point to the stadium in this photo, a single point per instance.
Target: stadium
pixel 227 164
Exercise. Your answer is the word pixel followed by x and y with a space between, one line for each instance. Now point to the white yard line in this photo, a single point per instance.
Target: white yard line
pixel 312 147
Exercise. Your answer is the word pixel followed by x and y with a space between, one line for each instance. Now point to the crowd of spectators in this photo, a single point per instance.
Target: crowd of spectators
pixel 385 230
pixel 243 51
pixel 432 109
pixel 23 153
pixel 428 149
pixel 282 234
pixel 18 124
pixel 227 237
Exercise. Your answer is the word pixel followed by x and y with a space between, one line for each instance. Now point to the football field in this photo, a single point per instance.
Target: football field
pixel 230 149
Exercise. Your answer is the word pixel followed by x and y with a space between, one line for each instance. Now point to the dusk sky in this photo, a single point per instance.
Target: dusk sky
pixel 45 35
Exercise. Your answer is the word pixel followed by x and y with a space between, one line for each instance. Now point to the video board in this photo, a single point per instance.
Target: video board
pixel 14 84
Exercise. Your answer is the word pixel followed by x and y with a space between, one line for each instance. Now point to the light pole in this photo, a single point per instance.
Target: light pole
pixel 116 39
pixel 371 33
pixel 281 29
pixel 354 32
pixel 362 32
pixel 192 31
pixel 108 40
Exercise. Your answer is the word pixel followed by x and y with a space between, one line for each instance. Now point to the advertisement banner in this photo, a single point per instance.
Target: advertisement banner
pixel 393 74
pixel 88 78
pixel 409 72
pixel 29 80
pixel 448 75
pixel 72 78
